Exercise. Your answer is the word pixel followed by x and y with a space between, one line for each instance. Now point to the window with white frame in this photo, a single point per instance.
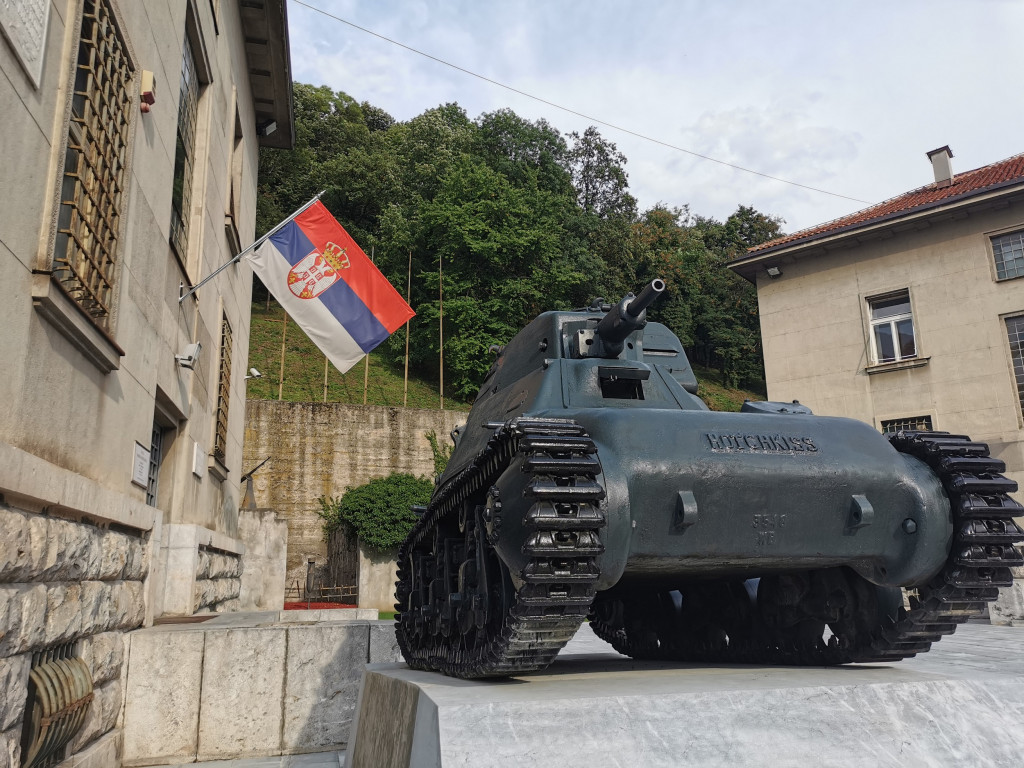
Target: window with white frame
pixel 1008 251
pixel 892 328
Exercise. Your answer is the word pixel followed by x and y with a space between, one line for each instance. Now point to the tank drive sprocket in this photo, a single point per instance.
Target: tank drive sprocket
pixel 782 619
pixel 460 610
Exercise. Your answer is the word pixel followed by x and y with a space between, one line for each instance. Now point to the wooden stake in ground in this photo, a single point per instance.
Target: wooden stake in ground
pixel 326 363
pixel 280 376
pixel 408 300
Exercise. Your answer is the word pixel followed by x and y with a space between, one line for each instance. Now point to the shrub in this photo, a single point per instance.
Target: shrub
pixel 378 512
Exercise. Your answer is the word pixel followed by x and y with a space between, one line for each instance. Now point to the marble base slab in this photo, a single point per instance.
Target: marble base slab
pixel 960 704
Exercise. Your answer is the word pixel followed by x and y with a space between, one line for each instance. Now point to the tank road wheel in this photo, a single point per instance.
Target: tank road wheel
pixel 458 610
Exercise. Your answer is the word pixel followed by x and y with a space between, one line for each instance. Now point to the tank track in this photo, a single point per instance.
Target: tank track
pixel 470 621
pixel 982 553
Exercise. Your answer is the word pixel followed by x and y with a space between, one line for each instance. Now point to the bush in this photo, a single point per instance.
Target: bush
pixel 378 512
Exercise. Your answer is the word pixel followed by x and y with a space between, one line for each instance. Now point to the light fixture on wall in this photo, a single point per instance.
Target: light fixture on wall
pixel 190 357
pixel 253 374
pixel 266 128
pixel 773 271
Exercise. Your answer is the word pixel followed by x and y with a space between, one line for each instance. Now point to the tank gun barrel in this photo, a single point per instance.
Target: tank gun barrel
pixel 625 317
pixel 646 297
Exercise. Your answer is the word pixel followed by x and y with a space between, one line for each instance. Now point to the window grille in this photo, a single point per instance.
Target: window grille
pixel 92 191
pixel 184 153
pixel 909 424
pixel 1015 332
pixel 220 439
pixel 156 448
pixel 1009 254
pixel 892 328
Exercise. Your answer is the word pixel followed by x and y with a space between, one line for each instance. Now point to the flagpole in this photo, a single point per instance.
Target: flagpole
pixel 284 335
pixel 440 323
pixel 408 300
pixel 366 359
pixel 182 295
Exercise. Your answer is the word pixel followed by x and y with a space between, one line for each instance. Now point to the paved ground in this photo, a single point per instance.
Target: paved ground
pixel 975 651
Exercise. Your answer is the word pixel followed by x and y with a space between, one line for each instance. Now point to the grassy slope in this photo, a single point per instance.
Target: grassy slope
pixel 304 370
pixel 304 373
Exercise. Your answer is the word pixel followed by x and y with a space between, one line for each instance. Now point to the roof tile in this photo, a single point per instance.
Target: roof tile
pixel 975 181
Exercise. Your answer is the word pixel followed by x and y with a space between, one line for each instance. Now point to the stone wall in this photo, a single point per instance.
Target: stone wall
pixel 67 581
pixel 242 685
pixel 320 448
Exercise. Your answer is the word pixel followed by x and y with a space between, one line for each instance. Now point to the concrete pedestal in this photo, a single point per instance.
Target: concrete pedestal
pixel 960 704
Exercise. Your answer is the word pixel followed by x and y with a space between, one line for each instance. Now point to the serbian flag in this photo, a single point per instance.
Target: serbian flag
pixel 328 286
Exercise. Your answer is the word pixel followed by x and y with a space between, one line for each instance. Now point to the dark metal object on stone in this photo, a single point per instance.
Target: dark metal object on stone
pixel 591 481
pixel 60 691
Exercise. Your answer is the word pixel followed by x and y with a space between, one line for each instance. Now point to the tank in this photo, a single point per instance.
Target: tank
pixel 590 481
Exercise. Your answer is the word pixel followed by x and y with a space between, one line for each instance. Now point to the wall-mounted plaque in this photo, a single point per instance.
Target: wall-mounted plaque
pixel 140 466
pixel 24 23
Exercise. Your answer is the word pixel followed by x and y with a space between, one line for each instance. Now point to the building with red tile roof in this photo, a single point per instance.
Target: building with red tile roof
pixel 908 314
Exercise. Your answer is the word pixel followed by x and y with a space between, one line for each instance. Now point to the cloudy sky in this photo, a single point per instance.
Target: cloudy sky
pixel 844 96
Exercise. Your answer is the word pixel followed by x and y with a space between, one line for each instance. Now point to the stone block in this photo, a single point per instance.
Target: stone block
pixel 383 643
pixel 10 748
pixel 14 687
pixel 63 612
pixel 15 545
pixel 101 717
pixel 377 575
pixel 113 555
pixel 104 655
pixel 22 618
pixel 323 670
pixel 161 720
pixel 241 708
pixel 689 717
pixel 1009 608
pixel 263 564
pixel 103 753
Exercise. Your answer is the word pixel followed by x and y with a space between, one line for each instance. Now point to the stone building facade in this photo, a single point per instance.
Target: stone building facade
pixel 130 142
pixel 908 315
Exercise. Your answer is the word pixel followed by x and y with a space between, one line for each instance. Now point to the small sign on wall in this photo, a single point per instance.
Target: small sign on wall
pixel 24 24
pixel 140 466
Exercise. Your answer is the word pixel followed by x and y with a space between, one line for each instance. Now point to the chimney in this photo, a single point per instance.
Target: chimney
pixel 941 165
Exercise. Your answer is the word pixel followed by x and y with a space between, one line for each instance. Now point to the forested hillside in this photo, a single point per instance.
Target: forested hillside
pixel 516 218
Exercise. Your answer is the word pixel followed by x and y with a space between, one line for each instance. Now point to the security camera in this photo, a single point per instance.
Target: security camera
pixel 190 357
pixel 254 374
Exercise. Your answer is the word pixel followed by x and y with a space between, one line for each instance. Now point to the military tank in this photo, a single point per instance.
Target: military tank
pixel 590 481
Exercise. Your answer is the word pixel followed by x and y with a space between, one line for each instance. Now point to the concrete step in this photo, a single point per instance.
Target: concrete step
pixel 960 704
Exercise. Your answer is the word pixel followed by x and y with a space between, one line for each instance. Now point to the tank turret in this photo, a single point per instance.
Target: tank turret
pixel 590 481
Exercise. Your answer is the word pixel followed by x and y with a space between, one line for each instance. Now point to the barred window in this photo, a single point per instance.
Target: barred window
pixel 220 438
pixel 92 190
pixel 156 457
pixel 909 424
pixel 1015 332
pixel 1009 254
pixel 184 153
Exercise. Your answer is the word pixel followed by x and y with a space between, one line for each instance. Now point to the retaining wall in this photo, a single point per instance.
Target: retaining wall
pixel 320 448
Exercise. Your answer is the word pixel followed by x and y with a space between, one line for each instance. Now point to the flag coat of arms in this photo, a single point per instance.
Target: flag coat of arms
pixel 325 282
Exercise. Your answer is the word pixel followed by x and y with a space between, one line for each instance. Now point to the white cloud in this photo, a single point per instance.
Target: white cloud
pixel 843 96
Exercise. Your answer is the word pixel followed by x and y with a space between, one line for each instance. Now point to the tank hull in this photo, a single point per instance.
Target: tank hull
pixel 727 495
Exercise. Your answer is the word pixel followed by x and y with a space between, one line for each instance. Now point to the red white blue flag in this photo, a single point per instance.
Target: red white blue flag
pixel 325 282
